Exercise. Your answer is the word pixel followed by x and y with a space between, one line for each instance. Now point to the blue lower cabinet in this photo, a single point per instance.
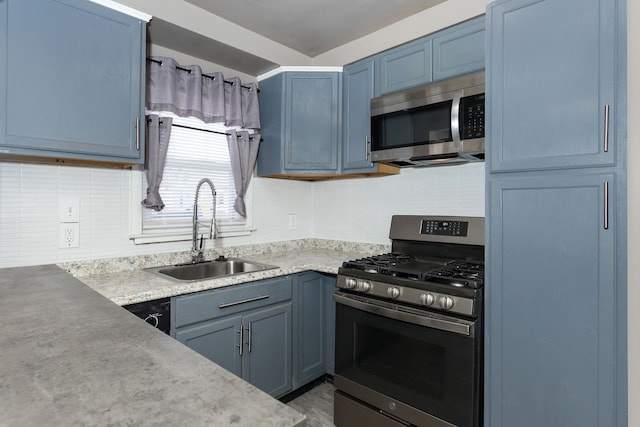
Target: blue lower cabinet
pixel 277 334
pixel 255 346
pixel 551 340
pixel 217 340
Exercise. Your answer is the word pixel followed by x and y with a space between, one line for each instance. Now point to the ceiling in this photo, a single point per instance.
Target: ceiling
pixel 310 27
pixel 314 27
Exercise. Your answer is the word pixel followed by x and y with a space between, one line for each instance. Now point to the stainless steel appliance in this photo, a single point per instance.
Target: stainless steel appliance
pixel 409 328
pixel 434 124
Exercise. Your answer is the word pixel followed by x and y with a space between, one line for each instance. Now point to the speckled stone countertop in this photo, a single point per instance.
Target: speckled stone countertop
pixel 125 280
pixel 72 357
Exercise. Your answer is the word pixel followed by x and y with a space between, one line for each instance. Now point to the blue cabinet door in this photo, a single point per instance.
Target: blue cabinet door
pixel 403 67
pixel 459 50
pixel 312 121
pixel 267 349
pixel 300 113
pixel 357 86
pixel 551 80
pixel 309 329
pixel 551 294
pixel 217 340
pixel 72 81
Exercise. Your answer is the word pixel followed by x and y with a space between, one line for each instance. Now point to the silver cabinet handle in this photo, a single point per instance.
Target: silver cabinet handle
pixel 606 128
pixel 244 301
pixel 367 151
pixel 241 332
pixel 138 133
pixel 249 337
pixel 606 205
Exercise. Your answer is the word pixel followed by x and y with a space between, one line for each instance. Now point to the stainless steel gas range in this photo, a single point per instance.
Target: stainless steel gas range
pixel 409 328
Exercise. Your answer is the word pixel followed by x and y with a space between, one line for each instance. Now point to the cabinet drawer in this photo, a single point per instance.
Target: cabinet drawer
pixel 221 302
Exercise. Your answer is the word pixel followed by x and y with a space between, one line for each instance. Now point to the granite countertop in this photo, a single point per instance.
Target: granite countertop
pixel 72 357
pixel 128 287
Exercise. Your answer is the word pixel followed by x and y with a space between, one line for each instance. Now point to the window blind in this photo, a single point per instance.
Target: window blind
pixel 194 154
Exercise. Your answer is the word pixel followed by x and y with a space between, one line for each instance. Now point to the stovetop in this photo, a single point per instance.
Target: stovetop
pixel 451 272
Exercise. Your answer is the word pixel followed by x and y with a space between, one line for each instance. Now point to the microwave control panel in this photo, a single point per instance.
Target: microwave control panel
pixel 472 116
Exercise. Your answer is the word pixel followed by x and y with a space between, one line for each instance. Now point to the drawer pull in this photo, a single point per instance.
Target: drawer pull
pixel 231 304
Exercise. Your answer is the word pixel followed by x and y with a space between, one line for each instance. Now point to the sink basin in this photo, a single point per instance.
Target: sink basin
pixel 209 269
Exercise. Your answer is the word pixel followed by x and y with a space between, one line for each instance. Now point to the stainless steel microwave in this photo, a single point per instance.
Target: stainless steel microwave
pixel 434 124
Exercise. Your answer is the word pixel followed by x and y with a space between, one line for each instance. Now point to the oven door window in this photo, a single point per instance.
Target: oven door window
pixel 428 124
pixel 432 370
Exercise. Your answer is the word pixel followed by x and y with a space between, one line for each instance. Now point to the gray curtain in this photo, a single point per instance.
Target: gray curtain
pixel 185 91
pixel 158 133
pixel 243 151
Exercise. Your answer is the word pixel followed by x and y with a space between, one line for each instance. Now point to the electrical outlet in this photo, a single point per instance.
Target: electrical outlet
pixel 69 235
pixel 292 221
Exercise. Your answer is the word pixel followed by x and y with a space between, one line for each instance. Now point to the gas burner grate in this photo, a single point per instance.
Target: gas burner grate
pixel 458 273
pixel 378 263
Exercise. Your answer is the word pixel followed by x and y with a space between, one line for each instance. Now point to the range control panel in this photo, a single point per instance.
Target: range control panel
pixel 444 228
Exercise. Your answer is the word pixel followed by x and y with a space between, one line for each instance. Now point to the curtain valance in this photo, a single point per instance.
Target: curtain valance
pixel 185 91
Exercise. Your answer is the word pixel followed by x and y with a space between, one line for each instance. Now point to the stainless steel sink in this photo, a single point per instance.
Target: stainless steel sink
pixel 209 269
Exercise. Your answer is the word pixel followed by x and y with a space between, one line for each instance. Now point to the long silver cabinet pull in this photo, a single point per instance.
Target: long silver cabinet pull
pixel 606 128
pixel 367 152
pixel 138 133
pixel 244 301
pixel 241 332
pixel 249 338
pixel 606 205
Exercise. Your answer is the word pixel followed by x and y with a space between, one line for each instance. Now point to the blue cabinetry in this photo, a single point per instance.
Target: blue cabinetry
pixel 71 81
pixel 313 330
pixel 246 329
pixel 556 214
pixel 404 66
pixel 357 84
pixel 454 51
pixel 459 49
pixel 300 116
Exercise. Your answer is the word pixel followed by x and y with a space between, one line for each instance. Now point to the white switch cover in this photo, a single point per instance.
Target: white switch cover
pixel 69 235
pixel 292 221
pixel 69 209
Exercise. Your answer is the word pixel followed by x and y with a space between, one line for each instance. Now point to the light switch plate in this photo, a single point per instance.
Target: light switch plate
pixel 69 209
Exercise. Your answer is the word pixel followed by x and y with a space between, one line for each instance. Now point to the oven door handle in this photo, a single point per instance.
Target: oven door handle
pixel 393 311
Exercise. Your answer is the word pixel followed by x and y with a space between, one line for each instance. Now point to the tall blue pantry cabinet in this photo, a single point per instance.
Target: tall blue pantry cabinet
pixel 556 214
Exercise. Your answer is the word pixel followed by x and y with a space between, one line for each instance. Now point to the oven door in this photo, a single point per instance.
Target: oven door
pixel 420 367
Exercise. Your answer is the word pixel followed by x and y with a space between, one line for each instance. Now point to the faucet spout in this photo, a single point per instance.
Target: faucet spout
pixel 197 248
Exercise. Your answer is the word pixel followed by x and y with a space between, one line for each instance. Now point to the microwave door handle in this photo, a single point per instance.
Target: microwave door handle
pixel 455 118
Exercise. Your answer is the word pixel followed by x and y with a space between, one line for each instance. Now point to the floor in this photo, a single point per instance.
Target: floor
pixel 317 405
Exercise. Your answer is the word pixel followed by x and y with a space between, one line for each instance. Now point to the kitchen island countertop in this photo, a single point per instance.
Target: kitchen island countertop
pixel 72 357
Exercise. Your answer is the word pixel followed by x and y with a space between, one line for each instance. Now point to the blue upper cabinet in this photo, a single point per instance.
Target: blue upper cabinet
pixel 300 114
pixel 357 86
pixel 556 115
pixel 71 81
pixel 404 66
pixel 459 50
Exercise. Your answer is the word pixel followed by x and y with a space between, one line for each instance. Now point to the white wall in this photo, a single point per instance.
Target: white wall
pixel 360 209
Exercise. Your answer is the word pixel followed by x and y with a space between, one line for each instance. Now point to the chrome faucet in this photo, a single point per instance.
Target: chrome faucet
pixel 197 248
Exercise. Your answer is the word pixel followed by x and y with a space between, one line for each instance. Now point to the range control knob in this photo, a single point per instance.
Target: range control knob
pixel 427 299
pixel 350 283
pixel 393 292
pixel 364 286
pixel 446 303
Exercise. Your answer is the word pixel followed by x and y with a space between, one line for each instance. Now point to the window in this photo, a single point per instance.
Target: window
pixel 194 153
